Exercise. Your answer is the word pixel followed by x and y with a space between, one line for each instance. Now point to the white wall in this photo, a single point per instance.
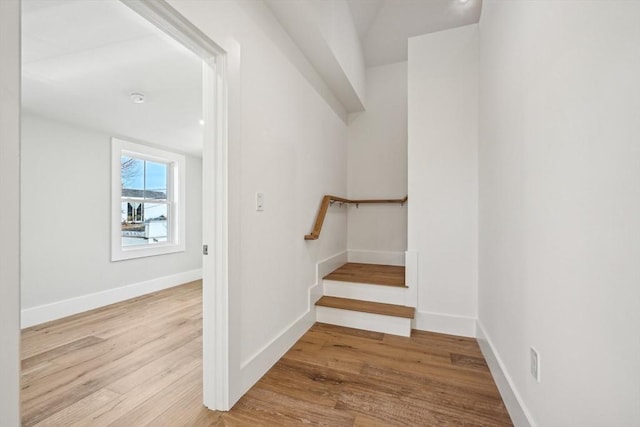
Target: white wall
pixel 66 195
pixel 325 31
pixel 262 15
pixel 286 142
pixel 560 205
pixel 442 174
pixel 336 24
pixel 377 168
pixel 10 212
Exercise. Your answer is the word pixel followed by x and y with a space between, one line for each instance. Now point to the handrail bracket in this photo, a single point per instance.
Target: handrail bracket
pixel 329 200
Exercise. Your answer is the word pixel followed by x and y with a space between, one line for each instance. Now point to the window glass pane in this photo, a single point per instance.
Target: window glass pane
pixel 143 223
pixel 156 180
pixel 151 220
pixel 132 176
pixel 156 225
pixel 131 212
pixel 132 230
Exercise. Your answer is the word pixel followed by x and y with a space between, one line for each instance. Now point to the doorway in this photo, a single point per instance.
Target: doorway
pixel 213 128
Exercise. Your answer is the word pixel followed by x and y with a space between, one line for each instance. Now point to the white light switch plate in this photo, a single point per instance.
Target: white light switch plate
pixel 259 201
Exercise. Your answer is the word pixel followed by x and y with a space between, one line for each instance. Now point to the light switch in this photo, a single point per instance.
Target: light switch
pixel 259 201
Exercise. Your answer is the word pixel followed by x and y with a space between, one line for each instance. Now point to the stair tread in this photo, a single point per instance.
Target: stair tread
pixel 373 274
pixel 367 306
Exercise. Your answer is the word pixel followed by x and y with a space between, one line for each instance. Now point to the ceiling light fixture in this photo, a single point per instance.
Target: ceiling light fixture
pixel 137 98
pixel 201 122
pixel 463 1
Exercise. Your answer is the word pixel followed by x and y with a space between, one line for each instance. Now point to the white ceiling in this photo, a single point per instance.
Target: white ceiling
pixel 384 26
pixel 82 59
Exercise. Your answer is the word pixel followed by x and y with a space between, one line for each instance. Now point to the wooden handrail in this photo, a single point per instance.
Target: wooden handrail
pixel 328 200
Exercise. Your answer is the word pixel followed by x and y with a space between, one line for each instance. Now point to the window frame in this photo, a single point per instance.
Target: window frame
pixel 176 207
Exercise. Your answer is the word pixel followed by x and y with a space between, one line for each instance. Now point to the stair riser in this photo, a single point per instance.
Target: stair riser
pixel 365 292
pixel 367 321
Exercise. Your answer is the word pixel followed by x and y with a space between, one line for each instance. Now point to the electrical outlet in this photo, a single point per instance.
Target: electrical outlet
pixel 535 364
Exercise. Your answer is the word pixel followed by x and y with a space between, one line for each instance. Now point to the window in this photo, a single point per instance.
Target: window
pixel 147 196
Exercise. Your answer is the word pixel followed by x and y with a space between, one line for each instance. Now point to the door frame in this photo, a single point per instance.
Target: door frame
pixel 215 266
pixel 215 295
pixel 10 218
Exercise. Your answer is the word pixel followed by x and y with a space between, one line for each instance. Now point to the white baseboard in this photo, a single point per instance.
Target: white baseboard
pixel 411 277
pixel 376 257
pixel 44 313
pixel 512 400
pixel 315 293
pixel 254 367
pixel 330 264
pixel 445 324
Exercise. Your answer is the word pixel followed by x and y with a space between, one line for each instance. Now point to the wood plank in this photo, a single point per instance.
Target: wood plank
pixel 268 408
pixel 144 392
pixel 367 307
pixel 153 407
pixel 49 356
pixel 146 369
pixel 81 408
pixel 374 274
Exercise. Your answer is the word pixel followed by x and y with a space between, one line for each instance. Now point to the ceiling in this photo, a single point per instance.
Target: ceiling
pixel 385 25
pixel 82 60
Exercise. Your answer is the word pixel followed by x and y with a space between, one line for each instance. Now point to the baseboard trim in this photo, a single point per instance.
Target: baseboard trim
pixel 330 264
pixel 518 412
pixel 445 324
pixel 57 310
pixel 259 363
pixel 376 257
pixel 254 367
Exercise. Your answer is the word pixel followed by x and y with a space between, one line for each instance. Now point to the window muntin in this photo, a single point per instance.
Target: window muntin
pixel 148 201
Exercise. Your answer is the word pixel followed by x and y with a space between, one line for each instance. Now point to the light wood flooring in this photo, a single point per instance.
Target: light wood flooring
pixel 138 363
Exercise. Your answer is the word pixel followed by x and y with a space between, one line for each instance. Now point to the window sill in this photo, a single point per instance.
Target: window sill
pixel 144 251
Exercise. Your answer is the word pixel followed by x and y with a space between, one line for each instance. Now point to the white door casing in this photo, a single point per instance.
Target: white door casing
pixel 215 296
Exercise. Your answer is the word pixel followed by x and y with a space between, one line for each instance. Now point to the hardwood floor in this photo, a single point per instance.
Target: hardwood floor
pixel 388 275
pixel 139 363
pixel 367 307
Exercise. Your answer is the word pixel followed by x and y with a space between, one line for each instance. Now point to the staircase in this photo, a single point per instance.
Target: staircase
pixel 367 296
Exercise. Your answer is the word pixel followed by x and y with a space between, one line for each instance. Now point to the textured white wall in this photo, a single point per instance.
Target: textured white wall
pixel 443 180
pixel 377 148
pixel 10 213
pixel 286 142
pixel 560 205
pixel 66 195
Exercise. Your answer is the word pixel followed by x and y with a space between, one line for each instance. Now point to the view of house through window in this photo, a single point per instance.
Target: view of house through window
pixel 145 206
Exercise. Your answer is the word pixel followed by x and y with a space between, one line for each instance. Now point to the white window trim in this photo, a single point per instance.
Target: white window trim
pixel 176 242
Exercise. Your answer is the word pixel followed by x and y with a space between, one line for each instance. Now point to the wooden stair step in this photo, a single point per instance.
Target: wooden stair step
pixel 367 307
pixel 373 274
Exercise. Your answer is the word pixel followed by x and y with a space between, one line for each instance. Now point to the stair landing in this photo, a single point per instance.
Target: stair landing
pixel 375 274
pixel 353 298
